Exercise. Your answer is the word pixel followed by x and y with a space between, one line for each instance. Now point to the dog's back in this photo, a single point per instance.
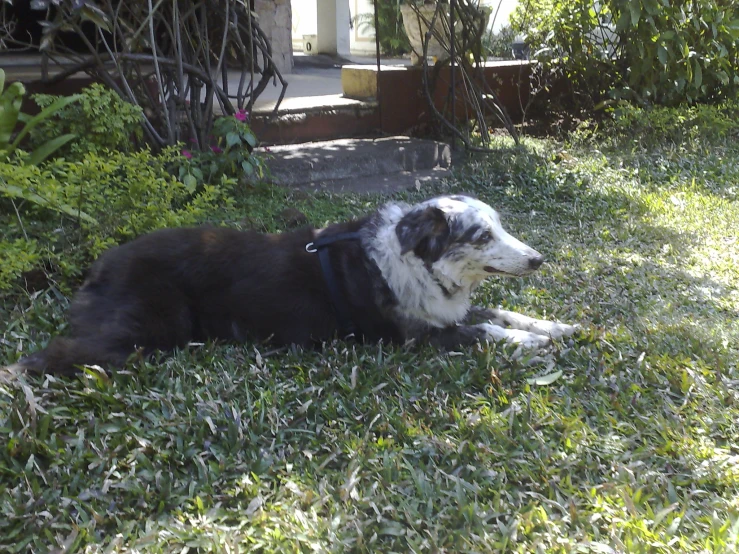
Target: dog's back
pixel 177 285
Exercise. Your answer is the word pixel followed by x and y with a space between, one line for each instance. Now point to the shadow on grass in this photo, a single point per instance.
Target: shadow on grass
pixel 372 448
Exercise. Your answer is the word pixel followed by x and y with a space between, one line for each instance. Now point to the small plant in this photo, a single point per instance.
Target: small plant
pixel 393 40
pixel 656 125
pixel 101 119
pixel 11 117
pixel 230 154
pixel 19 256
pixel 500 44
pixel 81 208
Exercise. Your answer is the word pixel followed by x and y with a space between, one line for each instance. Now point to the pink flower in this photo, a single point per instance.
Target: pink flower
pixel 187 154
pixel 216 149
pixel 242 115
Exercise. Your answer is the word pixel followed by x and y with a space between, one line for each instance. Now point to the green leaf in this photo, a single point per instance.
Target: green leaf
pixel 10 107
pixel 96 16
pixel 635 10
pixel 247 167
pixel 623 21
pixel 659 516
pixel 232 139
pixel 48 148
pixel 651 7
pixel 662 54
pixel 250 138
pixel 47 112
pixel 392 529
pixel 190 182
pixel 13 191
pixel 697 74
pixel 545 379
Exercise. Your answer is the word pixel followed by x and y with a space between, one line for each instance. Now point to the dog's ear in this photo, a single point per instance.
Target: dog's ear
pixel 425 232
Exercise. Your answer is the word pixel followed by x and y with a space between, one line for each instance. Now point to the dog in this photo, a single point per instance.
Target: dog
pixel 404 273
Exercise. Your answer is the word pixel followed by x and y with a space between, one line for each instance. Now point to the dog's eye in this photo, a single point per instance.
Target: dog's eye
pixel 487 236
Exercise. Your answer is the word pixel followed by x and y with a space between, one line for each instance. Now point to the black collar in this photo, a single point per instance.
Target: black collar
pixel 346 324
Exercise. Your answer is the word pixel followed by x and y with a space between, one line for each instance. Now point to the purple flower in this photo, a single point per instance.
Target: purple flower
pixel 216 149
pixel 242 115
pixel 187 154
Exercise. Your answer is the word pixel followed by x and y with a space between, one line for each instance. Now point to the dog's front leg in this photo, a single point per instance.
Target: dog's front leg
pixel 455 336
pixel 514 321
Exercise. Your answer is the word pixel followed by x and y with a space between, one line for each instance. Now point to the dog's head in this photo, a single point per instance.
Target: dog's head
pixel 463 238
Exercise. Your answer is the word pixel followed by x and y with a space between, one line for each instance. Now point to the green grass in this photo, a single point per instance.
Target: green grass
pixel 635 448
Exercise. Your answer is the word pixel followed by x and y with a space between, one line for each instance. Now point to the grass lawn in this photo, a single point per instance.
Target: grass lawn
pixel 633 447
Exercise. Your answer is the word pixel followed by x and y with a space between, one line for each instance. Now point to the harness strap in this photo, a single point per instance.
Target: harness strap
pixel 341 310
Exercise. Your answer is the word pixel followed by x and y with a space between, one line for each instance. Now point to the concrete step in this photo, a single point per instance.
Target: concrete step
pixel 320 162
pixel 313 118
pixel 387 183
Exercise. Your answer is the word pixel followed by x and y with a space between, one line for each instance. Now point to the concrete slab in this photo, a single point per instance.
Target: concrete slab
pixel 318 76
pixel 303 104
pixel 317 162
pixel 301 83
pixel 393 182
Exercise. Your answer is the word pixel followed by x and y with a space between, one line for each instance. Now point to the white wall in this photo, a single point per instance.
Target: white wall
pixel 362 37
pixel 503 12
pixel 334 16
pixel 326 26
pixel 343 24
pixel 328 19
pixel 275 19
pixel 305 21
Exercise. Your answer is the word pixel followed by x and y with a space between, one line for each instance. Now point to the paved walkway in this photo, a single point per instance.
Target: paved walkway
pixel 312 77
pixel 315 76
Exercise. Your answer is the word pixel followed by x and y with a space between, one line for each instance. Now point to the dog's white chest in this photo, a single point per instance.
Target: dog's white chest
pixel 443 311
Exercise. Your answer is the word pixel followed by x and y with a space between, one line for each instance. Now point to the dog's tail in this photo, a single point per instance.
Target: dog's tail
pixel 64 356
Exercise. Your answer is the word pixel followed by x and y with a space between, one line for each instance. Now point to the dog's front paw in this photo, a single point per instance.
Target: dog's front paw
pixel 525 339
pixel 513 320
pixel 560 330
pixel 10 373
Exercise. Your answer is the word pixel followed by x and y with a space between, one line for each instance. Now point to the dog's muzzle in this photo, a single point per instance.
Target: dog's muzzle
pixel 535 262
pixel 532 264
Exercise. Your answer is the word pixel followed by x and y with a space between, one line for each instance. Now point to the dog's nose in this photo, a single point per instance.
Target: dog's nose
pixel 536 261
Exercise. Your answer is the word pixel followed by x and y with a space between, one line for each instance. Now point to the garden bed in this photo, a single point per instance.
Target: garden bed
pixel 380 448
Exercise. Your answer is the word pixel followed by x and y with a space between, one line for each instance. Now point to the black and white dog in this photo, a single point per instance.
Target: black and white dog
pixel 402 273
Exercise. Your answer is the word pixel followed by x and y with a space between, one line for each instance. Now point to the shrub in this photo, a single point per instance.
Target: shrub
pixel 15 125
pixel 643 50
pixel 101 119
pixel 19 256
pixel 701 123
pixel 66 213
pixel 500 44
pixel 393 40
pixel 230 153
